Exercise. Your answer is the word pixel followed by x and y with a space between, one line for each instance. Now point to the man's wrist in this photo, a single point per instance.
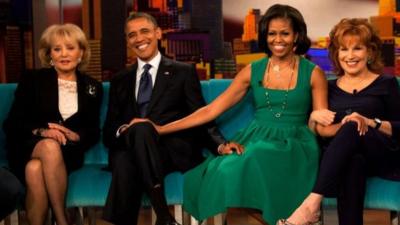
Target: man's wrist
pixel 39 131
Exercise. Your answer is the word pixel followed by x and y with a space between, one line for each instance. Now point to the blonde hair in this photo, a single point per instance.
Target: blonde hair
pixel 62 31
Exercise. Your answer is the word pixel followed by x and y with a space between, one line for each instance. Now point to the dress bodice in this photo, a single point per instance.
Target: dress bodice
pixel 298 99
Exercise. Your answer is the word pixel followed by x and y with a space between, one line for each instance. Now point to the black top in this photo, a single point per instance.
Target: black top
pixel 36 104
pixel 380 99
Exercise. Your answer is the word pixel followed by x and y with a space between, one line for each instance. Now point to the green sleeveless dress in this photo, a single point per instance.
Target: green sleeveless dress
pixel 279 165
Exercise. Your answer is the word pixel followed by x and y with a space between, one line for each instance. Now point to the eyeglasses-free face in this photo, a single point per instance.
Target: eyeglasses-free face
pixel 353 55
pixel 281 37
pixel 65 54
pixel 142 37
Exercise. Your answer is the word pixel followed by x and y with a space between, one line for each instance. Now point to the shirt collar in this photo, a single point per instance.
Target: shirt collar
pixel 154 62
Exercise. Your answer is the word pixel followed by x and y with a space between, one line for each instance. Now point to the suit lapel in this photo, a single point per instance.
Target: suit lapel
pixel 81 89
pixel 164 75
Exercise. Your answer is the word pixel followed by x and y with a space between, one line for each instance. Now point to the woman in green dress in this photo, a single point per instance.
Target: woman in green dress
pixel 275 161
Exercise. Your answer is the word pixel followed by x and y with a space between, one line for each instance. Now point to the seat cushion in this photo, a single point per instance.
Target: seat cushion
pixel 380 194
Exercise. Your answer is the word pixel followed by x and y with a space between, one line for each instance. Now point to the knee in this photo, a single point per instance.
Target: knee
pixel 141 129
pixel 33 169
pixel 49 150
pixel 349 128
pixel 48 144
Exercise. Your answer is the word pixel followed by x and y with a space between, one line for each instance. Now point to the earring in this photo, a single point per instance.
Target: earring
pixel 79 60
pixel 369 61
pixel 51 62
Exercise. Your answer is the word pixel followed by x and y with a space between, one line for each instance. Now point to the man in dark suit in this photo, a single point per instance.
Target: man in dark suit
pixel 162 90
pixel 11 192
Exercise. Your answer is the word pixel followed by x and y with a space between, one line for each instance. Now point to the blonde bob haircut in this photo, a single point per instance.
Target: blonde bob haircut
pixel 64 31
pixel 362 29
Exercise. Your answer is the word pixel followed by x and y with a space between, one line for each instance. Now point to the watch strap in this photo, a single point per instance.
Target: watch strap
pixel 378 123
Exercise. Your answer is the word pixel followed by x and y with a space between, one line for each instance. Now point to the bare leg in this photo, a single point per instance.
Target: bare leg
pixel 308 211
pixel 49 153
pixel 36 194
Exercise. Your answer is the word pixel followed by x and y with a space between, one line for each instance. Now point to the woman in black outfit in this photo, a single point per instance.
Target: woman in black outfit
pixel 54 119
pixel 363 141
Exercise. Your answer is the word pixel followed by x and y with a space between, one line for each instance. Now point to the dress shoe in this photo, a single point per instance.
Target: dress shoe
pixel 173 222
pixel 286 222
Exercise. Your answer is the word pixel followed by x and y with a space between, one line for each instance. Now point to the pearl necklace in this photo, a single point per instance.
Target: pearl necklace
pixel 284 103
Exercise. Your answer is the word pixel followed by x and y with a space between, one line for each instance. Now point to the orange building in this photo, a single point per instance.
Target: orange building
pixel 250 25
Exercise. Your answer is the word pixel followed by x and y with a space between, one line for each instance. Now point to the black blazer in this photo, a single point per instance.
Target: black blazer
pixel 36 104
pixel 176 93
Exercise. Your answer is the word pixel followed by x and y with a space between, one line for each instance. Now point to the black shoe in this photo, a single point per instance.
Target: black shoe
pixel 173 222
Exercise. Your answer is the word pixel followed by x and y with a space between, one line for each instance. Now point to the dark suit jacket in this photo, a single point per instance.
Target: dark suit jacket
pixel 176 93
pixel 36 104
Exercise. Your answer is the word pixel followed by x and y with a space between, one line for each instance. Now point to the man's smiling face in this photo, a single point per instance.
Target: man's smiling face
pixel 142 37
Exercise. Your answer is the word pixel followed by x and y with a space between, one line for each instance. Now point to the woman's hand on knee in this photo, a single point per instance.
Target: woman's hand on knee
pixel 68 134
pixel 360 120
pixel 54 134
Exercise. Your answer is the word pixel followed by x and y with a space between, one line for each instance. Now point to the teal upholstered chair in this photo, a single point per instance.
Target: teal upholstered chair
pixel 7 96
pixel 89 185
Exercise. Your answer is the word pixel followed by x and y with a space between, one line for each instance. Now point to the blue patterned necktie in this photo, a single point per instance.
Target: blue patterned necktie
pixel 145 89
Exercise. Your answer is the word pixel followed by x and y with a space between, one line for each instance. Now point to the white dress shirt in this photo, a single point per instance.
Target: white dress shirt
pixel 155 63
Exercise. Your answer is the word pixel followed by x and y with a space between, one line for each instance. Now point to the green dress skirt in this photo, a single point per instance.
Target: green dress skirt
pixel 279 165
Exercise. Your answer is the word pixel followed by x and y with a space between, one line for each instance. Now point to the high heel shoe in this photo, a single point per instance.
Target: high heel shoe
pixel 286 222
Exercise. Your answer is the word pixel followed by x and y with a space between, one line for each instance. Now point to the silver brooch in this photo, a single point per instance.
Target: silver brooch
pixel 91 90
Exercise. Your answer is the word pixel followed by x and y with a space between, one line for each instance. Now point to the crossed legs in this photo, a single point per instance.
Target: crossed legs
pixel 46 180
pixel 138 169
pixel 342 171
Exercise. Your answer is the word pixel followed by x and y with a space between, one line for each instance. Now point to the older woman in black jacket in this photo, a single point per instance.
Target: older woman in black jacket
pixel 54 119
pixel 364 138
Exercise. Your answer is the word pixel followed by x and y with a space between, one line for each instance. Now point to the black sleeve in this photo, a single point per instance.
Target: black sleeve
pixel 113 118
pixel 20 122
pixel 392 107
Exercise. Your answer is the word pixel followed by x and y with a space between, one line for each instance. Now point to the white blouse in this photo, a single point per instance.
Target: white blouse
pixel 67 98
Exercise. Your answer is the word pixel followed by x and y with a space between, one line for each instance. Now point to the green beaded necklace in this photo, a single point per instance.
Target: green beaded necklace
pixel 284 103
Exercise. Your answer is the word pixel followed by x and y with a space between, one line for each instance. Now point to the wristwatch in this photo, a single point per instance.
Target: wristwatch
pixel 378 123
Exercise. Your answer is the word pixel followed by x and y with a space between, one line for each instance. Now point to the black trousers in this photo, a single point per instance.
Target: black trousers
pixel 11 193
pixel 347 162
pixel 137 169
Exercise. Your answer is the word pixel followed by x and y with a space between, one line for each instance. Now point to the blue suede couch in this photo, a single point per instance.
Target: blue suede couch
pixel 89 185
